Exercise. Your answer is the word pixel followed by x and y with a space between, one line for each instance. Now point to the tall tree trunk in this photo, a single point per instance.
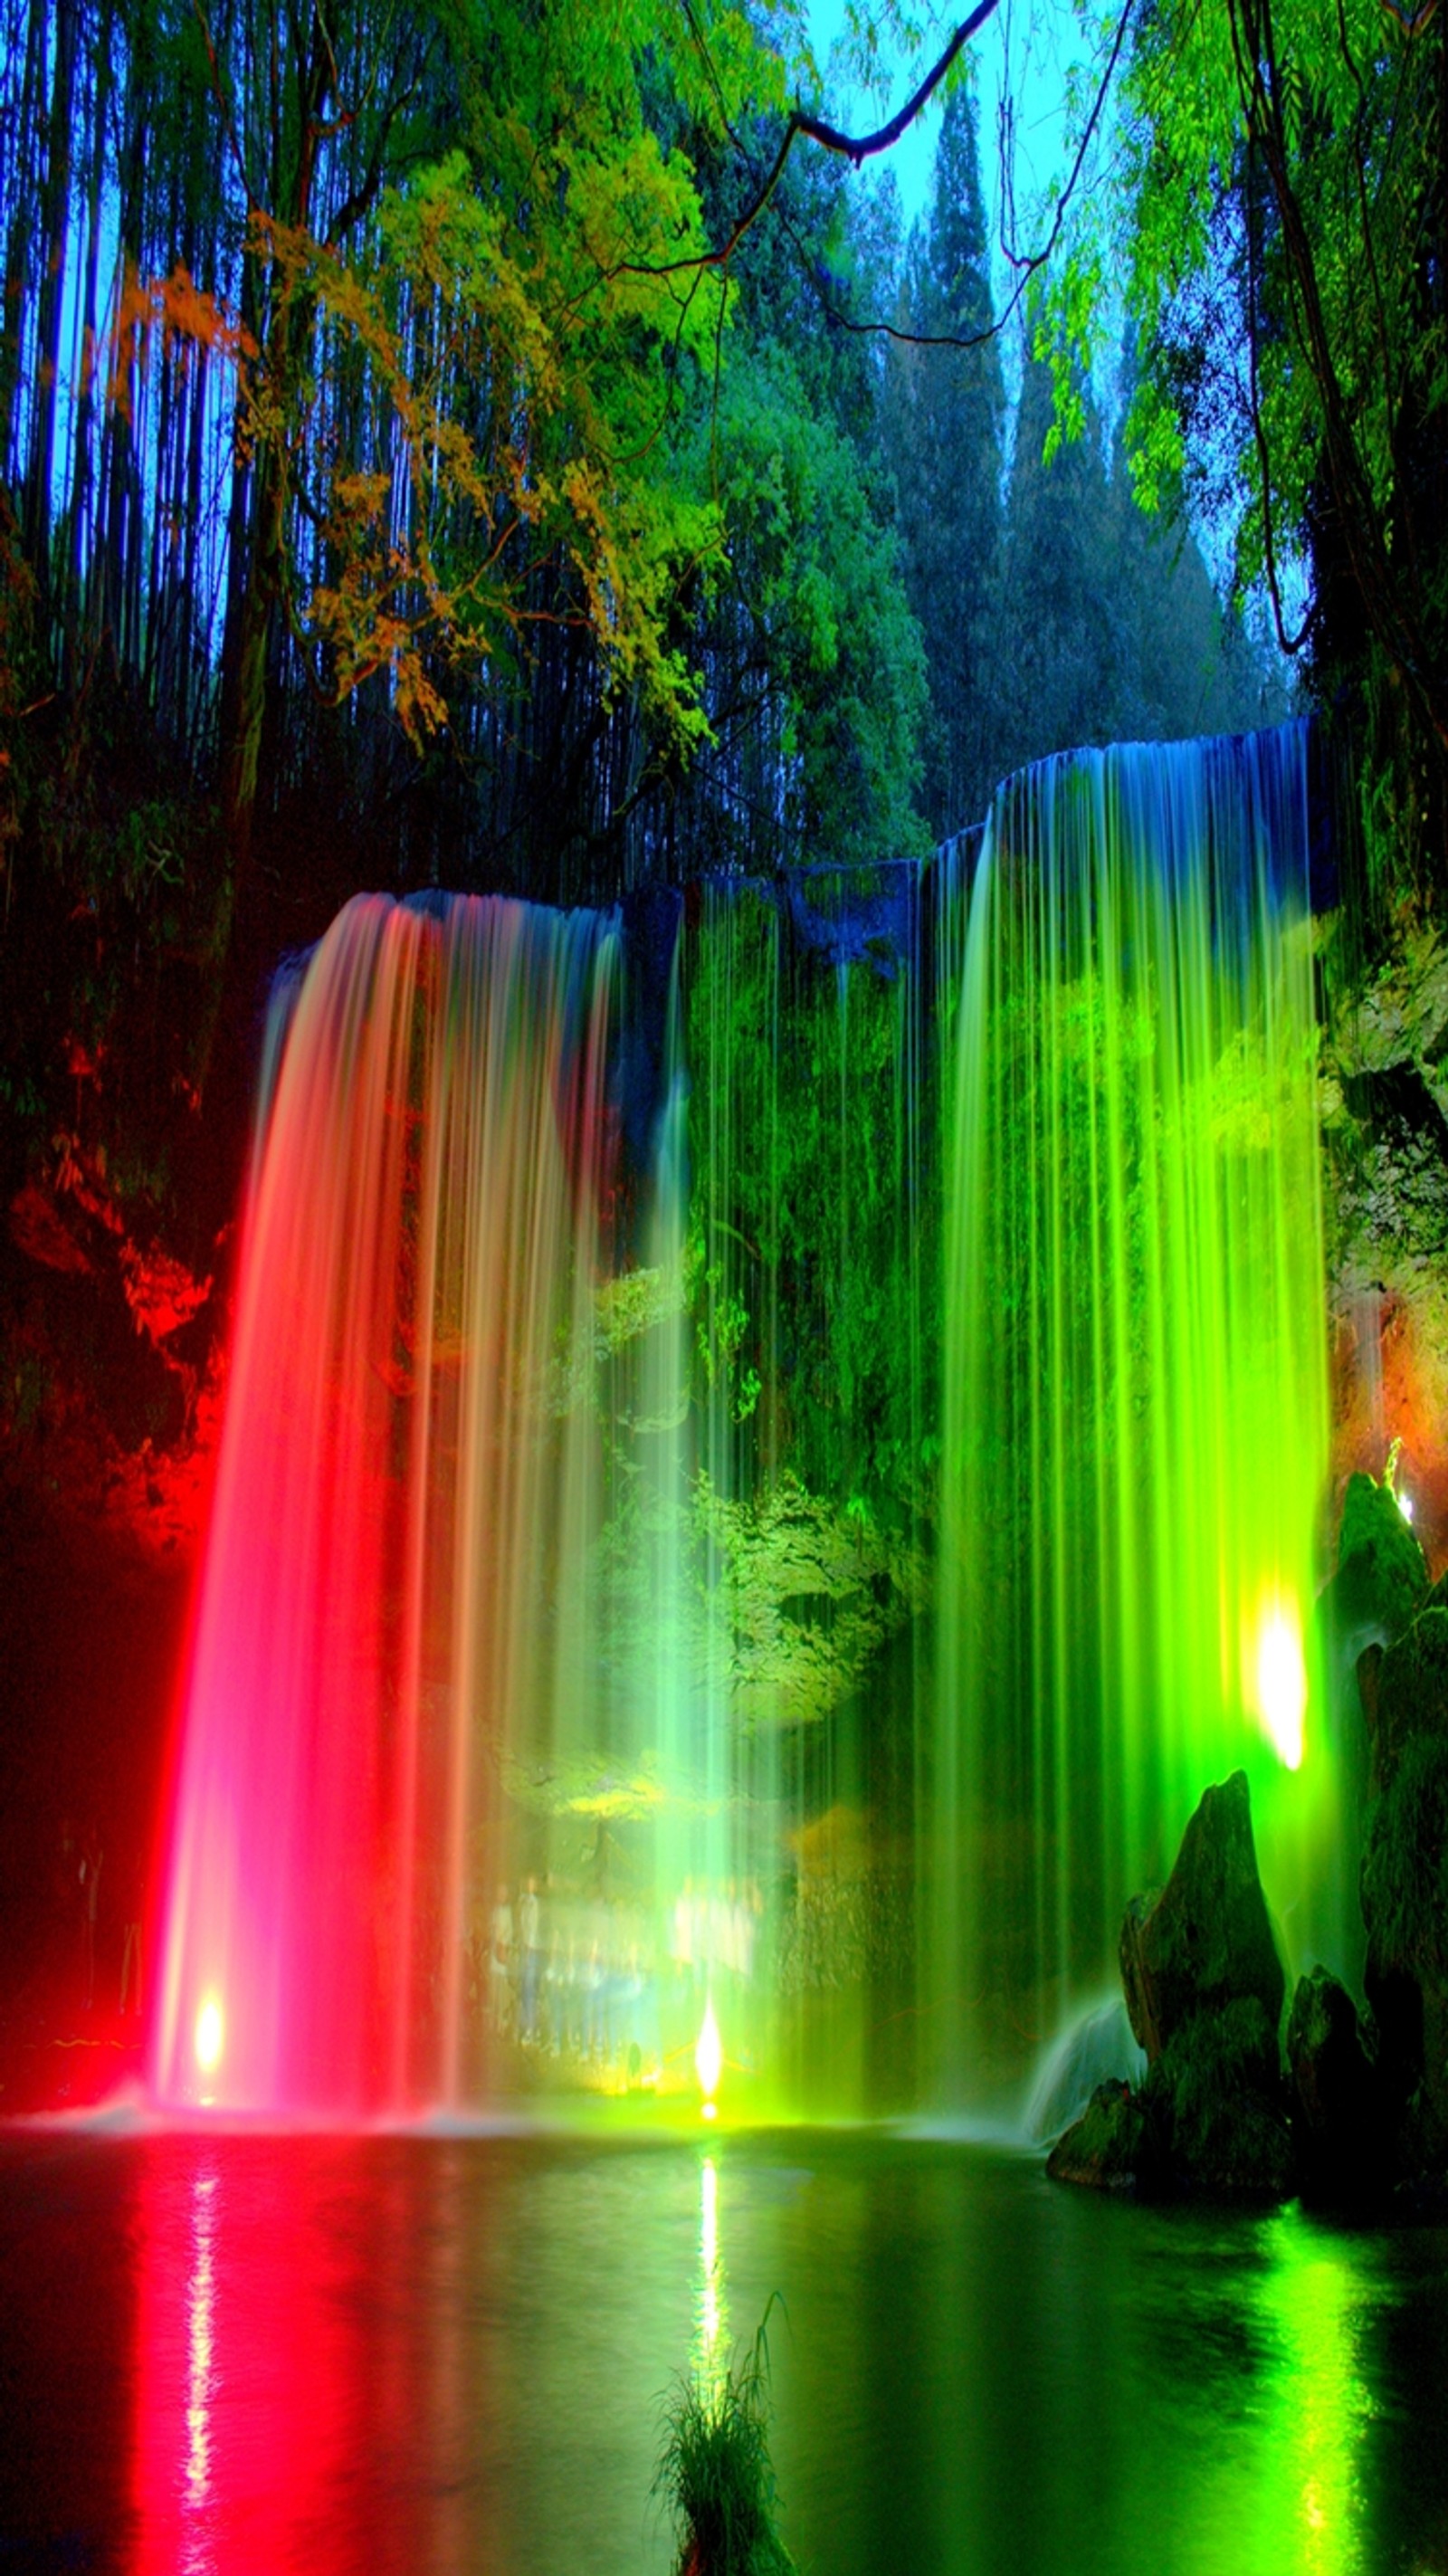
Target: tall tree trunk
pixel 52 298
pixel 258 523
pixel 17 246
pixel 81 470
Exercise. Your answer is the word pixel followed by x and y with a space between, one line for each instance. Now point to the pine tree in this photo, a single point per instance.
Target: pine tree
pixel 945 411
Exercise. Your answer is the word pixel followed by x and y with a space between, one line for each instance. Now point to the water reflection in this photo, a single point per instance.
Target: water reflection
pixel 1312 2293
pixel 440 2355
pixel 198 2395
pixel 710 2347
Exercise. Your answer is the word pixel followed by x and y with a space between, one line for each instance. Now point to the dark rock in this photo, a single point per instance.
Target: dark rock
pixel 1405 1692
pixel 1108 2146
pixel 1369 1682
pixel 1205 1941
pixel 1405 1908
pixel 1382 1578
pixel 1341 2111
pixel 1216 2096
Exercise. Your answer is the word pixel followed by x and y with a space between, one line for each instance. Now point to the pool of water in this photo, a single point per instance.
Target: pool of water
pixel 256 2354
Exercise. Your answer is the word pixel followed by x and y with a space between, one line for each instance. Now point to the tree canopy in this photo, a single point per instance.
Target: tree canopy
pixel 1276 223
pixel 513 422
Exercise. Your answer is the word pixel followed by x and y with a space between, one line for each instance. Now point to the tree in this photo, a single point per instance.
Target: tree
pixel 946 409
pixel 1110 628
pixel 1281 231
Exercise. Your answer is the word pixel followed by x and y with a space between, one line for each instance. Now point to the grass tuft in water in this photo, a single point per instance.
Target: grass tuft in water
pixel 715 2472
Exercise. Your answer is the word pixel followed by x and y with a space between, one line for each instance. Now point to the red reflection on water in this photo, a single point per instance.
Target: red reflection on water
pixel 286 2410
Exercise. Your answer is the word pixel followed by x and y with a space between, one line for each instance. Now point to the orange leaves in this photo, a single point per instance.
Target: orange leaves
pixel 184 316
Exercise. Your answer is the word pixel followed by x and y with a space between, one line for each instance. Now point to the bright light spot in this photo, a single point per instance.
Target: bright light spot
pixel 1282 1682
pixel 1405 1505
pixel 709 2058
pixel 210 2035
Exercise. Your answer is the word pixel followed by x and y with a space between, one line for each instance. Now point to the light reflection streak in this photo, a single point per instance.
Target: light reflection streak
pixel 712 2311
pixel 1312 2299
pixel 200 2374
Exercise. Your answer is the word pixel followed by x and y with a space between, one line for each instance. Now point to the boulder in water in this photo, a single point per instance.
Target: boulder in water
pixel 1204 1990
pixel 1339 2107
pixel 1110 2147
pixel 1217 2101
pixel 1204 1941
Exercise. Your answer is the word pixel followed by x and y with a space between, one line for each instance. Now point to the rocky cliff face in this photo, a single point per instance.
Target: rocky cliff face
pixel 1384 1091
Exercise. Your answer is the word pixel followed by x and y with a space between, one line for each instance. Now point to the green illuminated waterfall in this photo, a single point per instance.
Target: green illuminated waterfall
pixel 1135 1413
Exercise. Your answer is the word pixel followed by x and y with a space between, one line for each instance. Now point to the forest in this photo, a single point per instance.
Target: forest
pixel 525 449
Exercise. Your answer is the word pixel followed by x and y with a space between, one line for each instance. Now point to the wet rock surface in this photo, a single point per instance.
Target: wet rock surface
pixel 1341 2113
pixel 1204 1992
pixel 1109 2146
pixel 1203 1941
pixel 1404 1888
pixel 1381 1580
pixel 1348 2107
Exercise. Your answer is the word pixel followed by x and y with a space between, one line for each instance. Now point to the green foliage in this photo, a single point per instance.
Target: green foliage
pixel 814 1127
pixel 1109 628
pixel 1274 223
pixel 822 618
pixel 715 2472
pixel 945 410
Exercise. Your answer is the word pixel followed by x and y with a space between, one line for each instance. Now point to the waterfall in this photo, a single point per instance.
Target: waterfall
pixel 398 1556
pixel 773 1448
pixel 1135 1409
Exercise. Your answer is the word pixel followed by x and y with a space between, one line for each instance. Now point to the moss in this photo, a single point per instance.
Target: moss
pixel 815 1212
pixel 1412 1689
pixel 1109 2147
pixel 1405 1864
pixel 1381 1577
pixel 1217 2086
pixel 805 1594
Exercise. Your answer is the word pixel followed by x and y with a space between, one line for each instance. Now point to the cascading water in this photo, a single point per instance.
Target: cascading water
pixel 1135 1413
pixel 605 1424
pixel 814 1234
pixel 397 1561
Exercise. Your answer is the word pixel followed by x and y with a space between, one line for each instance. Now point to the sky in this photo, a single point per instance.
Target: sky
pixel 1022 53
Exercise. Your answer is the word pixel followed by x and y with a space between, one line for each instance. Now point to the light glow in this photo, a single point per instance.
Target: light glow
pixel 1282 1682
pixel 709 2058
pixel 210 2035
pixel 711 2270
pixel 1405 1505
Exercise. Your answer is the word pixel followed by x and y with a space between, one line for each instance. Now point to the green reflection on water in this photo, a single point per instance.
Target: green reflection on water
pixel 435 2356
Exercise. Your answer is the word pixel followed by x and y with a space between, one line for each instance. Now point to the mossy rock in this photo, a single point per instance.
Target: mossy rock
pixel 1405 1863
pixel 1109 2147
pixel 1409 1693
pixel 1217 2091
pixel 1405 1908
pixel 1206 1940
pixel 1382 1576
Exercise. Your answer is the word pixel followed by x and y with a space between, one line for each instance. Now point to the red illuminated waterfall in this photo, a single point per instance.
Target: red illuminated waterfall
pixel 401 1506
